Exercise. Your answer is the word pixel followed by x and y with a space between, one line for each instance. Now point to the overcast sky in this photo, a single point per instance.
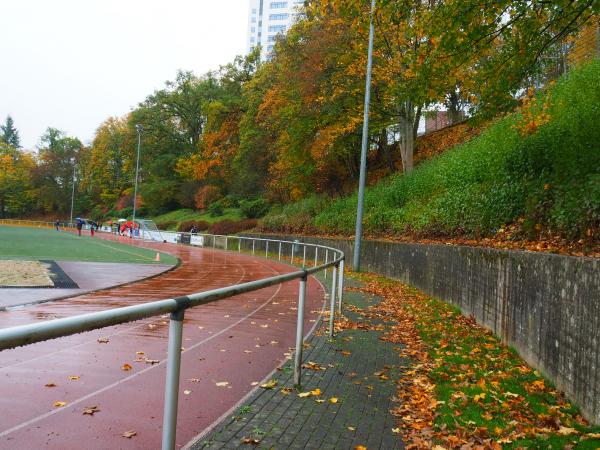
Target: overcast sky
pixel 71 64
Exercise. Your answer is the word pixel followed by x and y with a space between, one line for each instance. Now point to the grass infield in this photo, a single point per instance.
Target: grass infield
pixel 39 243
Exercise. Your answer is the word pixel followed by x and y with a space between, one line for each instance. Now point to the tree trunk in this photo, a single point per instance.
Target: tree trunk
pixel 407 135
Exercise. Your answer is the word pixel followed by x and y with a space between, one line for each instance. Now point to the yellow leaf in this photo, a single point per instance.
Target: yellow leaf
pixel 360 447
pixel 319 400
pixel 565 431
pixel 129 434
pixel 222 383
pixel 126 367
pixel 333 400
pixel 304 394
pixel 59 404
pixel 140 353
pixel 351 428
pixel 316 391
pixel 90 410
pixel 269 384
pixel 74 377
pixel 396 430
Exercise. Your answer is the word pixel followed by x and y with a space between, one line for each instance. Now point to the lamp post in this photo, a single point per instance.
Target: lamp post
pixel 363 150
pixel 138 129
pixel 72 191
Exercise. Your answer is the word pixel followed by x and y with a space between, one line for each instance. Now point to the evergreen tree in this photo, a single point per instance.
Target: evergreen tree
pixel 9 134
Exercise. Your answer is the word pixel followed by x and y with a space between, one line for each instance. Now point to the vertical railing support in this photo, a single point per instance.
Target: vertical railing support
pixel 326 261
pixel 225 243
pixel 332 300
pixel 316 255
pixel 266 249
pixel 172 382
pixel 292 258
pixel 239 245
pixel 299 332
pixel 253 242
pixel 341 286
pixel 304 256
pixel 279 251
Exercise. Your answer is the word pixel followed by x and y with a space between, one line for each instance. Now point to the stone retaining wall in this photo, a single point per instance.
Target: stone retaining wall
pixel 546 306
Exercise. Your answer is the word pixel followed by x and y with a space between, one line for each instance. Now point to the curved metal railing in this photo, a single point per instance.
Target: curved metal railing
pixel 331 259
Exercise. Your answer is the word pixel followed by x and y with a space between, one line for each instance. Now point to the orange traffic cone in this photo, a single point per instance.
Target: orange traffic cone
pixel 157 257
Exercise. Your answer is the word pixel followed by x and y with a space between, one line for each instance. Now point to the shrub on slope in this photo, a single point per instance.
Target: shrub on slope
pixel 539 166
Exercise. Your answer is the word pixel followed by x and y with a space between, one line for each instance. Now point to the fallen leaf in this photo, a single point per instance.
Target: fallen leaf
pixel 396 430
pixel 286 390
pixel 250 441
pixel 90 410
pixel 333 400
pixel 50 385
pixel 126 367
pixel 129 434
pixel 194 380
pixel 316 392
pixel 59 404
pixel 187 392
pixel 74 377
pixel 222 383
pixel 351 428
pixel 346 353
pixel 264 326
pixel 269 384
pixel 140 353
pixel 565 431
pixel 102 340
pixel 360 447
pixel 319 400
pixel 254 383
pixel 304 394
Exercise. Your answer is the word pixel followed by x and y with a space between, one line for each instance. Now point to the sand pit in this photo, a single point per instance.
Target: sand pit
pixel 24 274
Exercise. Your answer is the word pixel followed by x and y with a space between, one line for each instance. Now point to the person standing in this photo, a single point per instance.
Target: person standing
pixel 57 225
pixel 79 226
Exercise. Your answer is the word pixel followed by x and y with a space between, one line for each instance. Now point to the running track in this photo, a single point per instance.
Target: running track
pixel 238 340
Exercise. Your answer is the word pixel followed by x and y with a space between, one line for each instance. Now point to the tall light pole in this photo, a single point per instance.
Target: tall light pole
pixel 72 191
pixel 363 150
pixel 139 130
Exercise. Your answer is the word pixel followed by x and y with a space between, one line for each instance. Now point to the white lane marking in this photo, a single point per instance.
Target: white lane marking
pixel 205 274
pixel 135 375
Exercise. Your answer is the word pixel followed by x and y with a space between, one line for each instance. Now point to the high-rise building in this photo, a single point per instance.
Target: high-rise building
pixel 267 19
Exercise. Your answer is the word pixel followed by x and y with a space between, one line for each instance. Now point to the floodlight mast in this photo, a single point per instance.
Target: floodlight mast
pixel 138 129
pixel 363 151
pixel 72 191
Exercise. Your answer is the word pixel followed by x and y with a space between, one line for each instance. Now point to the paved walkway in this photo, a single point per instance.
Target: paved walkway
pixel 229 346
pixel 359 369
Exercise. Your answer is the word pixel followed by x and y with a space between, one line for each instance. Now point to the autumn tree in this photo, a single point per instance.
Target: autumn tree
pixel 16 193
pixel 9 134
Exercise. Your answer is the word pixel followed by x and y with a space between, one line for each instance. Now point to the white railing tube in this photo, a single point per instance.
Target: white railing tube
pixel 172 381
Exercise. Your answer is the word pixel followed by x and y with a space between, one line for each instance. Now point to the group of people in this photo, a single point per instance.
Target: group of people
pixel 79 223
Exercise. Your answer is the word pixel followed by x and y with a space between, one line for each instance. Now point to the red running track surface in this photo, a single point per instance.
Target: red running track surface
pixel 237 340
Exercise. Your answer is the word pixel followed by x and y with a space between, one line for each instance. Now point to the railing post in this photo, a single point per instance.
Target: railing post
pixel 214 241
pixel 279 250
pixel 266 249
pixel 304 256
pixel 239 245
pixel 300 332
pixel 172 382
pixel 316 255
pixel 326 261
pixel 332 300
pixel 225 243
pixel 253 242
pixel 341 286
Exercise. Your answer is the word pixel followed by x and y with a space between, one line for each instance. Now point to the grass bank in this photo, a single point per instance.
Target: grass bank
pixel 537 171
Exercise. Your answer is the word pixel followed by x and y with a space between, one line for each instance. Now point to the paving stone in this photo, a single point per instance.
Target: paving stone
pixel 286 421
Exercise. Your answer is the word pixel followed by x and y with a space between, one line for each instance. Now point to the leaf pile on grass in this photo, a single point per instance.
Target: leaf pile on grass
pixel 465 389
